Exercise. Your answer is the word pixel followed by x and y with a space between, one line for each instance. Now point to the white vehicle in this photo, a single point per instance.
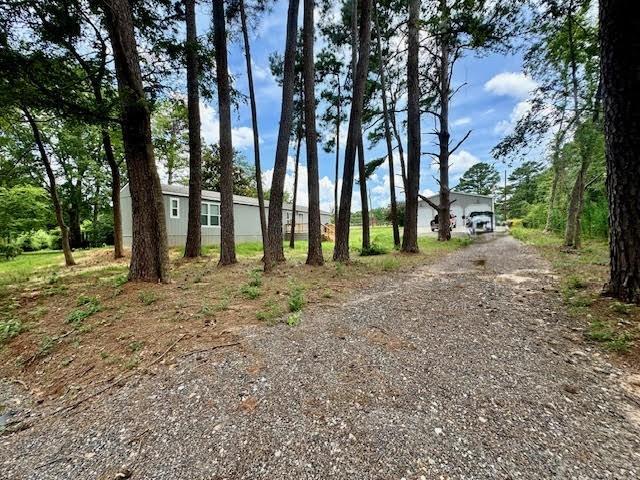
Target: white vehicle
pixel 480 222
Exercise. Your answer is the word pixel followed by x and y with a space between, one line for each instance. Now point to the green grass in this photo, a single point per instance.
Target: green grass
pixel 22 268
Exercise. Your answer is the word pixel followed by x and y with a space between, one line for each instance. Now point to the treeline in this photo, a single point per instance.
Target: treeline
pixel 102 67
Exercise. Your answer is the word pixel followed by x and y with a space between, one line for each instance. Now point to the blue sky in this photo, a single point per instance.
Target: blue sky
pixel 494 97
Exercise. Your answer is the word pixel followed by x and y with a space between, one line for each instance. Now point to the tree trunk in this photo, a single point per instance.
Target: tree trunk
pixel 292 243
pixel 64 231
pixel 73 210
pixel 149 256
pixel 337 174
pixel 314 252
pixel 362 180
pixel 387 136
pixel 555 163
pixel 341 249
pixel 227 234
pixel 276 252
pixel 256 136
pixel 194 229
pixel 444 222
pixel 620 63
pixel 396 133
pixel 118 249
pixel 410 234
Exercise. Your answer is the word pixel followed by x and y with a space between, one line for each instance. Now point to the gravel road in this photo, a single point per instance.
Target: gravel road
pixel 464 369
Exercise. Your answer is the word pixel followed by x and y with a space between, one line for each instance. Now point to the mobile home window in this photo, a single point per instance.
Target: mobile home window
pixel 175 207
pixel 210 214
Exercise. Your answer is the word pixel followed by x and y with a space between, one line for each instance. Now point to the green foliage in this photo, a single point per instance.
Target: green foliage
pixel 249 291
pixel 293 320
pixel 147 297
pixel 89 306
pixel 270 313
pixel 374 249
pixel 10 327
pixel 480 179
pixel 244 181
pixel 296 297
pixel 23 208
pixel 34 241
pixel 603 332
pixel 256 278
pixel 9 251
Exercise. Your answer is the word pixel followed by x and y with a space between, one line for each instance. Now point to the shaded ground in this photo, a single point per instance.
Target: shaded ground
pixel 468 368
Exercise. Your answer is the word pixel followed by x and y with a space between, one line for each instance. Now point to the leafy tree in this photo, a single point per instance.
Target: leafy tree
pixel 170 132
pixel 523 183
pixel 480 179
pixel 243 177
pixel 23 208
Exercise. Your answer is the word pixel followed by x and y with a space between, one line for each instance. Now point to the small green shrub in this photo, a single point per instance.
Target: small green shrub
pixel 9 251
pixel 147 297
pixel 89 306
pixel 389 264
pixel 249 291
pixel 374 249
pixel 621 308
pixel 270 313
pixel 120 280
pixel 136 346
pixel 255 278
pixel 296 297
pixel 9 328
pixel 576 283
pixel 602 332
pixel 293 319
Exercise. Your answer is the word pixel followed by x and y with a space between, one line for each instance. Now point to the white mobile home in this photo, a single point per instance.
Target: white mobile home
pixel 246 215
pixel 464 204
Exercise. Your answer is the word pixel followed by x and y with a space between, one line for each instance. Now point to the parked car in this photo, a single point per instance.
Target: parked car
pixel 480 222
pixel 453 222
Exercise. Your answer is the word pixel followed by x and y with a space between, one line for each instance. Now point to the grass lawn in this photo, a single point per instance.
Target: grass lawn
pixel 613 324
pixel 61 326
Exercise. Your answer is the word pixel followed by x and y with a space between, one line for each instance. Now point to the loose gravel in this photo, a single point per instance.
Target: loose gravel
pixel 465 369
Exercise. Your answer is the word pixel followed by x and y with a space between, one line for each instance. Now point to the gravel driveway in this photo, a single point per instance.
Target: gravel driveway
pixel 465 369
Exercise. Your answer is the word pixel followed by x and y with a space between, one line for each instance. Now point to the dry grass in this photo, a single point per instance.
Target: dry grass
pixel 70 327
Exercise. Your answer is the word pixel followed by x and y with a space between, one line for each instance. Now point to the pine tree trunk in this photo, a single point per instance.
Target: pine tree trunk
pixel 555 163
pixel 337 174
pixel 410 234
pixel 194 229
pixel 620 63
pixel 118 249
pixel 341 249
pixel 396 134
pixel 292 242
pixel 149 256
pixel 387 136
pixel 256 136
pixel 362 181
pixel 53 191
pixel 314 252
pixel 227 233
pixel 276 252
pixel 444 222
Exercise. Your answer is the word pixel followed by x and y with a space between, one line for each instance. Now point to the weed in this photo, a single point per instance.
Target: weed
pixel 574 282
pixel 104 355
pixel 136 346
pixel 46 346
pixel 90 305
pixel 296 297
pixel 120 280
pixel 340 268
pixel 270 313
pixel 293 319
pixel 9 328
pixel 373 249
pixel 327 293
pixel 255 278
pixel 147 297
pixel 66 362
pixel 132 362
pixel 249 291
pixel 389 264
pixel 602 332
pixel 223 304
pixel 621 308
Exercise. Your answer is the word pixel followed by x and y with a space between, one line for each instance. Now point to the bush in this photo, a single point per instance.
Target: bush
pixel 9 328
pixel 34 241
pixel 374 249
pixel 296 298
pixel 9 251
pixel 55 239
pixel 100 233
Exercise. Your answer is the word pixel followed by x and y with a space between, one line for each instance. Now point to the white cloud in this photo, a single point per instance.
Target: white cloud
pixel 461 121
pixel 504 127
pixel 242 137
pixel 427 192
pixel 511 84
